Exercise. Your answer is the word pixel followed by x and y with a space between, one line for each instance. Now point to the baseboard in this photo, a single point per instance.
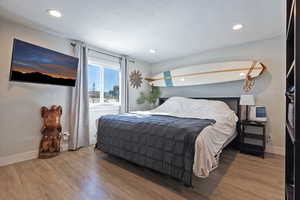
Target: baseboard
pixel 7 160
pixel 279 150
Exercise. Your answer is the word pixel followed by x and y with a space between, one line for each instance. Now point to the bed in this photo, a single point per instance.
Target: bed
pixel 181 137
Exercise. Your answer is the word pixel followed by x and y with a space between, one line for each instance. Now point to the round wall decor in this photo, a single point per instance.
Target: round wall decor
pixel 136 79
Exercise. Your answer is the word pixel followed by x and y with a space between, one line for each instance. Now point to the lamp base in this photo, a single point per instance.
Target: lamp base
pixel 247 110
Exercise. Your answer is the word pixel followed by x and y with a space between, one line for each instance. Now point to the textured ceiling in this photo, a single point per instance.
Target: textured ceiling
pixel 175 28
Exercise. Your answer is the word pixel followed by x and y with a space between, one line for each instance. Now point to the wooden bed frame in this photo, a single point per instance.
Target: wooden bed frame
pixel 233 103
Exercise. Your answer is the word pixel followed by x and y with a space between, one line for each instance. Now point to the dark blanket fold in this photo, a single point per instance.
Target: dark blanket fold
pixel 162 143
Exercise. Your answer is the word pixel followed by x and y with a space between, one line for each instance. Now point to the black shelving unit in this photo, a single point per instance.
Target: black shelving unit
pixel 292 177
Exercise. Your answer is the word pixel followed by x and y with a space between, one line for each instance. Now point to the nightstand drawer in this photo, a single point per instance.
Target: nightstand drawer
pixel 253 129
pixel 254 136
pixel 253 141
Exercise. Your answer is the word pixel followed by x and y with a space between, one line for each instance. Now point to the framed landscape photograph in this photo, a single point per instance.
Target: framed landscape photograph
pixel 31 63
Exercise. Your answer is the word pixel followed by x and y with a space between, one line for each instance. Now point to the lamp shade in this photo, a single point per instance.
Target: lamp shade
pixel 247 100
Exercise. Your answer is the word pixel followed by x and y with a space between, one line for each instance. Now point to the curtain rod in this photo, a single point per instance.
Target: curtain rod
pixel 104 53
pixel 101 52
pixel 108 54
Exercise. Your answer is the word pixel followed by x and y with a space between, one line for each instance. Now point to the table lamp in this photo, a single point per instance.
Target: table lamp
pixel 247 100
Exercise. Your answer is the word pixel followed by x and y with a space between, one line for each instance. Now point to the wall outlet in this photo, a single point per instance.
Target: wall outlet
pixel 64 145
pixel 269 139
pixel 67 133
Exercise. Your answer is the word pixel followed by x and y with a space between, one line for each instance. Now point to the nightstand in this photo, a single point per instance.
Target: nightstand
pixel 253 138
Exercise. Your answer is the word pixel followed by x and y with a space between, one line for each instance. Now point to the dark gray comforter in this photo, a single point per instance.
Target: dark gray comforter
pixel 163 143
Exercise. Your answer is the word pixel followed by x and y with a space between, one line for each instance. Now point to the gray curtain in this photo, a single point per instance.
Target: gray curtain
pixel 79 129
pixel 124 85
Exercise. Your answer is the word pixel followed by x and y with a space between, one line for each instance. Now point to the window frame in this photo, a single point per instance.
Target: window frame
pixel 103 65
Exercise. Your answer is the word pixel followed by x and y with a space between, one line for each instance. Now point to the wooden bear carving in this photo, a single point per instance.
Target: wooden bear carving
pixel 51 131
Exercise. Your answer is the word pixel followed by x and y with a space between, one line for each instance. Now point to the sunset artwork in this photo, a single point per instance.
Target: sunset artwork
pixel 31 63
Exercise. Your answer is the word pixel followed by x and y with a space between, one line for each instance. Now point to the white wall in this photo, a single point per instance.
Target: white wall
pixel 134 93
pixel 20 103
pixel 269 89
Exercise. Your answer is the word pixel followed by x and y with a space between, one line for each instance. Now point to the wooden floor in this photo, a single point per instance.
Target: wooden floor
pixel 94 175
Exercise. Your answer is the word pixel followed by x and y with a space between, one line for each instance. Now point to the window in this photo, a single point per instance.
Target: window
pixel 103 83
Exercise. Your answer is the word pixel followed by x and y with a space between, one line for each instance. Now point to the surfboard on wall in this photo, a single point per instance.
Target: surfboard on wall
pixel 208 74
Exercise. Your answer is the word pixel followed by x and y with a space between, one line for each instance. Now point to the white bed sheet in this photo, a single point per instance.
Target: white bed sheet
pixel 211 141
pixel 208 147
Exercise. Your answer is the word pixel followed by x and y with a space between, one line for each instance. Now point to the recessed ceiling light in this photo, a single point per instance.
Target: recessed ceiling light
pixel 237 27
pixel 152 51
pixel 54 13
